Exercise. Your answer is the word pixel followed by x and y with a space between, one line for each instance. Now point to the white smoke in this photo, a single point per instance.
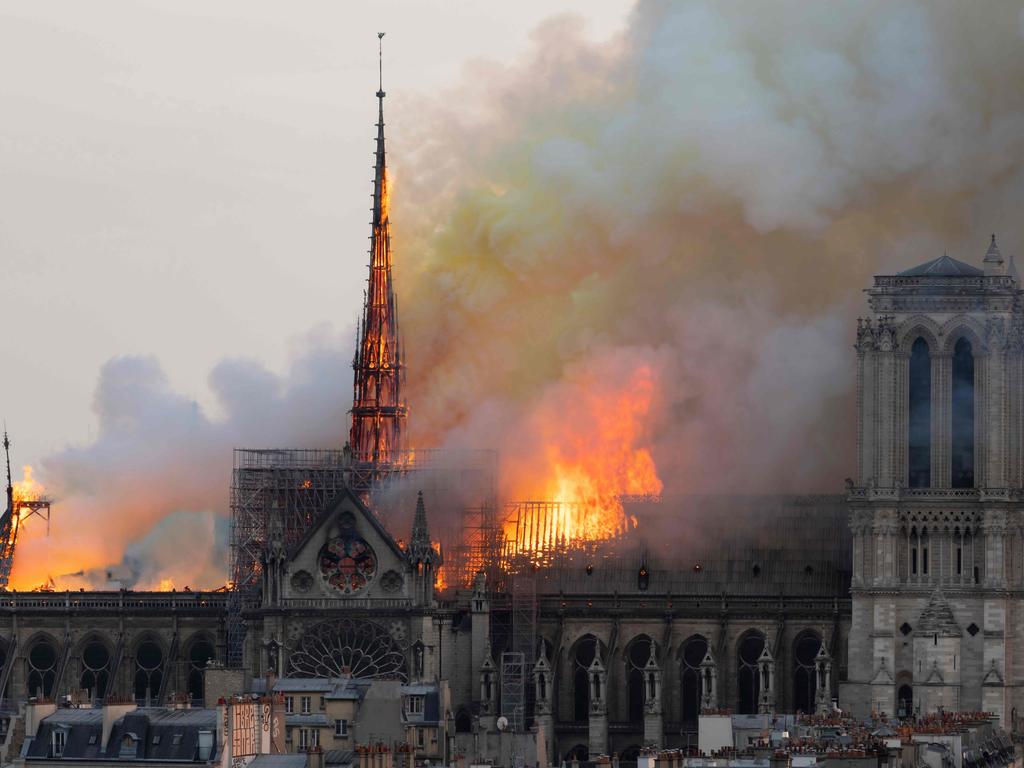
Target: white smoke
pixel 707 195
pixel 701 198
pixel 147 501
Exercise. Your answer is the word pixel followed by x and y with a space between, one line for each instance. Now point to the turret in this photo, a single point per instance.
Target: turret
pixel 423 558
pixel 993 259
pixel 653 726
pixel 766 668
pixel 708 682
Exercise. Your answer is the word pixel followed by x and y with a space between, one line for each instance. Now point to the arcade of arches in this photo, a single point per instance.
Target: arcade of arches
pixel 687 688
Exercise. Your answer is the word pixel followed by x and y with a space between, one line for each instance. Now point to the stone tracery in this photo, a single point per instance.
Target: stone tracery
pixel 347 647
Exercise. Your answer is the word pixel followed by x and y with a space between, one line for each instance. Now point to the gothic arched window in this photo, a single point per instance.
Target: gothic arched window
pixel 905 701
pixel 962 441
pixel 200 654
pixel 348 648
pixel 919 419
pixel 149 672
pixel 583 657
pixel 693 653
pixel 805 676
pixel 748 676
pixel 95 668
pixel 637 653
pixel 42 669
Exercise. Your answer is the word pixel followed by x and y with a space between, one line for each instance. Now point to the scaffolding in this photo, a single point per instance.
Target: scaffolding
pixel 534 532
pixel 285 490
pixel 513 687
pixel 13 517
pixel 523 645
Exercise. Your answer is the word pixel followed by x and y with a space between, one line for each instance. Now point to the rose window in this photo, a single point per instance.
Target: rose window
pixel 348 564
pixel 348 648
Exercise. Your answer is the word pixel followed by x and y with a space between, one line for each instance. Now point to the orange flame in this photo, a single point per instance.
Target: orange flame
pixel 385 194
pixel 594 455
pixel 26 489
pixel 440 577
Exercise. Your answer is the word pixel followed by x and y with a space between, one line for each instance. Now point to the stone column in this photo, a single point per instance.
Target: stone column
pixel 994 415
pixel 488 694
pixel 766 668
pixel 885 446
pixel 942 372
pixel 543 715
pixel 708 682
pixel 481 621
pixel 653 726
pixel 598 722
pixel 823 670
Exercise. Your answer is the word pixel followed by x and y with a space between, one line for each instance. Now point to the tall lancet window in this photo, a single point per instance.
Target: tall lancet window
pixel 919 437
pixel 962 442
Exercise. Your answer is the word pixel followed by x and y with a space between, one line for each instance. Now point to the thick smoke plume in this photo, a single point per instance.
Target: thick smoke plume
pixel 146 504
pixel 628 265
pixel 701 199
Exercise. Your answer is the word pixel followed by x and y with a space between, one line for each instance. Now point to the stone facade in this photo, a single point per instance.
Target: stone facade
pixel 348 600
pixel 902 595
pixel 935 508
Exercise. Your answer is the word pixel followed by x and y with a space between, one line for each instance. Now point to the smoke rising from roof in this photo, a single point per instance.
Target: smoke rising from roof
pixel 146 503
pixel 700 199
pixel 705 196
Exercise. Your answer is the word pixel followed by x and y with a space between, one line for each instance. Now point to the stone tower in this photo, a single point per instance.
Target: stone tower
pixel 935 508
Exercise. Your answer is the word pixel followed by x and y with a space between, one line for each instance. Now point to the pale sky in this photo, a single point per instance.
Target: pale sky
pixel 190 180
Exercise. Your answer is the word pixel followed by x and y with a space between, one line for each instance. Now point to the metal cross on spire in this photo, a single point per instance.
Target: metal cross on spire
pixel 380 65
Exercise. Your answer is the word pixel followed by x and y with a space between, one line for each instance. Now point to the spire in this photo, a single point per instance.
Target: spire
pixel 10 485
pixel 1011 269
pixel 380 201
pixel 420 548
pixel 378 411
pixel 993 259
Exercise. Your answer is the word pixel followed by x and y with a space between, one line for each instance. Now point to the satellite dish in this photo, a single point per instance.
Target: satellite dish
pixel 502 723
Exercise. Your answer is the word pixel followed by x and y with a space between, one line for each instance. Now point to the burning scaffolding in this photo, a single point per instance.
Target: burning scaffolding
pixel 22 502
pixel 283 492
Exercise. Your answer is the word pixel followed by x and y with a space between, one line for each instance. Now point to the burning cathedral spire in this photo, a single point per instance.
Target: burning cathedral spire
pixel 378 410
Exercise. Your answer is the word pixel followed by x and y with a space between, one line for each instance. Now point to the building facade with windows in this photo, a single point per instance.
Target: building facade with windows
pixel 938 543
pixel 900 596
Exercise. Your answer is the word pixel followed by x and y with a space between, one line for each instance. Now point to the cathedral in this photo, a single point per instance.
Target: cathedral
pixel 898 596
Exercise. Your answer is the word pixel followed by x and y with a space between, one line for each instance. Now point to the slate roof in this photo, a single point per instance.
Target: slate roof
pixel 163 735
pixel 303 685
pixel 338 757
pixel 291 760
pixel 81 727
pixel 333 689
pixel 944 266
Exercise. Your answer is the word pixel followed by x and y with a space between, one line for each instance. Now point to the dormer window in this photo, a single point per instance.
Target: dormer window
pixel 414 705
pixel 60 738
pixel 128 746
